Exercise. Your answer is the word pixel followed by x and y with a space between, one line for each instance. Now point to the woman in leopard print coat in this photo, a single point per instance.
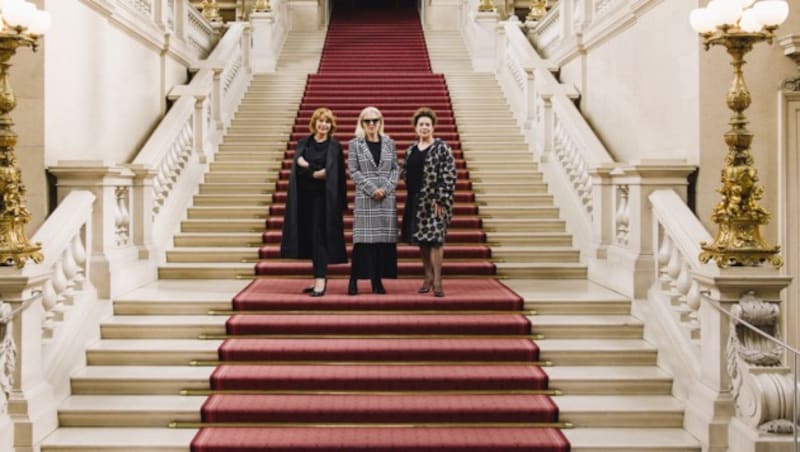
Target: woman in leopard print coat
pixel 430 174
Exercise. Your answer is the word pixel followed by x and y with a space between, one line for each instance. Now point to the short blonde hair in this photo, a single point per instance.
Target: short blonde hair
pixel 324 114
pixel 360 132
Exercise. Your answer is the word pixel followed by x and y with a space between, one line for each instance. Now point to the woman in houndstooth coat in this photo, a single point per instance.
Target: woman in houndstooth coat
pixel 372 161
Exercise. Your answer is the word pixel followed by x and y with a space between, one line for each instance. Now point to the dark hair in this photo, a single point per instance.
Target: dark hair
pixel 423 112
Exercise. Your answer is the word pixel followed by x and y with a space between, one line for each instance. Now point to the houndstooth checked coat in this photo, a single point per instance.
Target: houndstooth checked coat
pixel 375 221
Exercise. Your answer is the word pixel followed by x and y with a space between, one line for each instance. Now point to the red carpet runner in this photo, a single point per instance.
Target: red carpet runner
pixel 395 372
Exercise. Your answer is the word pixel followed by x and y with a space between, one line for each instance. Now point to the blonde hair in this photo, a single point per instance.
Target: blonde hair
pixel 360 132
pixel 322 113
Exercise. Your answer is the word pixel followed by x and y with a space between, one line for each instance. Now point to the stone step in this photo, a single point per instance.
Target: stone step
pixel 618 411
pixel 562 352
pixel 534 254
pixel 177 440
pixel 535 270
pixel 503 238
pixel 509 187
pixel 520 212
pixel 232 177
pixel 497 200
pixel 527 226
pixel 254 188
pixel 230 270
pixel 269 167
pixel 118 440
pixel 170 380
pixel 232 199
pixel 228 225
pixel 193 326
pixel 227 239
pixel 227 212
pixel 182 297
pixel 206 270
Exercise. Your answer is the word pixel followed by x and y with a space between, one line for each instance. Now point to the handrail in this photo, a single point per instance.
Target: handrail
pixel 60 227
pixel 706 295
pixel 13 314
pixel 716 303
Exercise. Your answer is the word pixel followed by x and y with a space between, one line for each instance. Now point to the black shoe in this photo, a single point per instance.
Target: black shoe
pixel 377 287
pixel 425 287
pixel 314 293
pixel 438 291
pixel 352 288
pixel 308 289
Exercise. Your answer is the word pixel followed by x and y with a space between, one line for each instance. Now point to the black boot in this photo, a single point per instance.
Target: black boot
pixel 352 288
pixel 377 287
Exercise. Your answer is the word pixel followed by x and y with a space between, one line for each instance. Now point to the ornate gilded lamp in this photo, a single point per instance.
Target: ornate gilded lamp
pixel 538 10
pixel 262 6
pixel 22 26
pixel 486 6
pixel 738 25
pixel 211 10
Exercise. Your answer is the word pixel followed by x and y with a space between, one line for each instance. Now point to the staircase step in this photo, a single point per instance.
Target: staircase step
pixel 193 326
pixel 228 199
pixel 118 440
pixel 142 380
pixel 582 411
pixel 534 254
pixel 211 239
pixel 609 380
pixel 183 351
pixel 534 270
pixel 130 411
pixel 543 238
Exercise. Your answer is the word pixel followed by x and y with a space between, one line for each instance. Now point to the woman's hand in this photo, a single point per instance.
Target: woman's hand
pixel 303 163
pixel 438 210
pixel 378 195
pixel 318 174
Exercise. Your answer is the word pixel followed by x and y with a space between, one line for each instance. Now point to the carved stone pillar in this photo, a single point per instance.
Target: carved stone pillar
pixel 265 56
pixel 115 264
pixel 711 404
pixel 630 254
pixel 31 401
pixel 441 14
pixel 485 42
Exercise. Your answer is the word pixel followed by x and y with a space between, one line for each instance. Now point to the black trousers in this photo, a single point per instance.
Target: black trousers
pixel 315 215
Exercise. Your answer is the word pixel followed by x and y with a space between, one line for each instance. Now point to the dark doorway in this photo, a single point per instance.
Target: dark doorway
pixel 373 4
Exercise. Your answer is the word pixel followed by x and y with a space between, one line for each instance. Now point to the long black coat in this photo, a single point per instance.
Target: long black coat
pixel 296 237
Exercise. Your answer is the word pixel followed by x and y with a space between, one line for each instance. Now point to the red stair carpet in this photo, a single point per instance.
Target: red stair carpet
pixel 401 372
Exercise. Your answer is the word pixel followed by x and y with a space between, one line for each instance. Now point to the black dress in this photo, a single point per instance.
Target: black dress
pixel 414 168
pixel 374 260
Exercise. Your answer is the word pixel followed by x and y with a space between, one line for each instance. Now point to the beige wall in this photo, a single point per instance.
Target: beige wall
pixel 652 91
pixel 103 87
pixel 27 81
pixel 638 87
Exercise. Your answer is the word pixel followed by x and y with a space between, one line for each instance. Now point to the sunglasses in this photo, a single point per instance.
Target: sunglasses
pixel 371 120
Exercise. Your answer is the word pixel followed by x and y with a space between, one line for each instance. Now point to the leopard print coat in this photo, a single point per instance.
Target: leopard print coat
pixel 438 186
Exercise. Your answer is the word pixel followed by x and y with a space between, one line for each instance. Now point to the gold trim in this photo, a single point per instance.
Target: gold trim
pixel 14 214
pixel 738 215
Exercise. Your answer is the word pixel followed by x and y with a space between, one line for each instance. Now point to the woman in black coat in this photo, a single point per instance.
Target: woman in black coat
pixel 430 174
pixel 317 196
